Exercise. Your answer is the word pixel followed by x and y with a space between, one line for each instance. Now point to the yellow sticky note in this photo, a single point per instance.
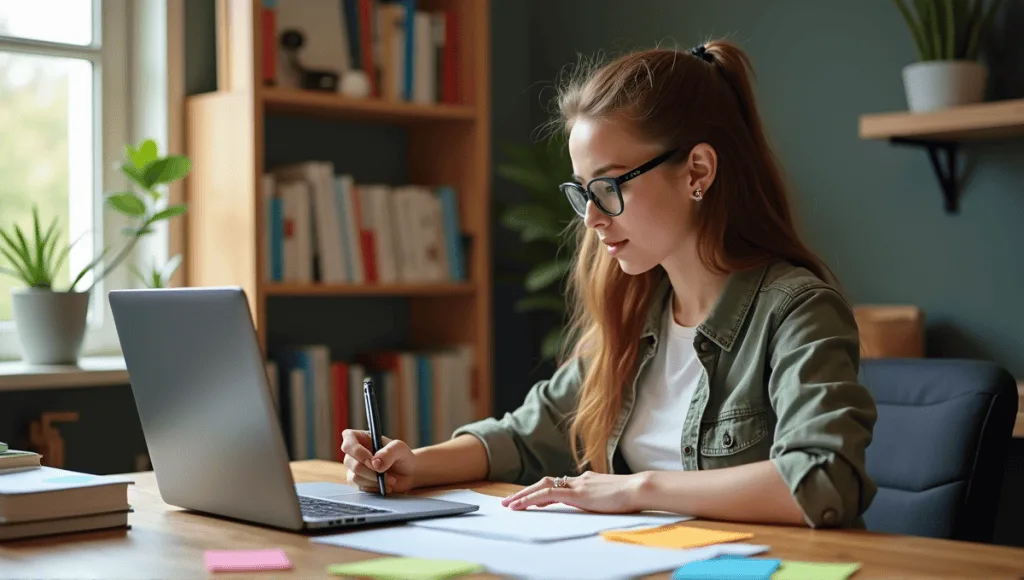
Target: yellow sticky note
pixel 675 536
pixel 405 569
pixel 814 571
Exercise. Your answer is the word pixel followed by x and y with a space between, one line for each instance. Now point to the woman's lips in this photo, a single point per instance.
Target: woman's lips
pixel 615 247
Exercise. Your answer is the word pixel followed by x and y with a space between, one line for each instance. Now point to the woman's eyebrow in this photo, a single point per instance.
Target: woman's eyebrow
pixel 600 170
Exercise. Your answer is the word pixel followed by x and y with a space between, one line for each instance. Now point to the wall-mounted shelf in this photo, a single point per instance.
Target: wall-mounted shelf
pixel 940 133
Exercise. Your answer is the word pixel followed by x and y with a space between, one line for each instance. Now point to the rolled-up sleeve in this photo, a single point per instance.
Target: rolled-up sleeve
pixel 825 416
pixel 533 440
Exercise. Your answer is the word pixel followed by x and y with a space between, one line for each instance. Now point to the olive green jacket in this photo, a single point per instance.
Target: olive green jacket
pixel 781 353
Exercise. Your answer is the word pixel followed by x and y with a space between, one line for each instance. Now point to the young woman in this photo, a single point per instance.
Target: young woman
pixel 716 368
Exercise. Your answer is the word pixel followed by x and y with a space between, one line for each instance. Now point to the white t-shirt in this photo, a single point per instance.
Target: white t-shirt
pixel 653 436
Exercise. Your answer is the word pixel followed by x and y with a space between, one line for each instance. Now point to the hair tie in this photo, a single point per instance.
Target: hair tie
pixel 702 53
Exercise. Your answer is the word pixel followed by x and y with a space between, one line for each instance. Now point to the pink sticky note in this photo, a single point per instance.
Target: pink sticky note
pixel 246 560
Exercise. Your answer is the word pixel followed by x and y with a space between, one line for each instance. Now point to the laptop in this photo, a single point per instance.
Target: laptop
pixel 204 402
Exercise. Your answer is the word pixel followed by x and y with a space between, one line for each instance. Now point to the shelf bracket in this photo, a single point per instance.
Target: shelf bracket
pixel 945 172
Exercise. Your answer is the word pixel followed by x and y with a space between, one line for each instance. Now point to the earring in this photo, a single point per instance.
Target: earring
pixel 698 194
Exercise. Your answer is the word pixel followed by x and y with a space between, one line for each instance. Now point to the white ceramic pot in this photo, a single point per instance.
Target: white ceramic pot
pixel 50 325
pixel 940 84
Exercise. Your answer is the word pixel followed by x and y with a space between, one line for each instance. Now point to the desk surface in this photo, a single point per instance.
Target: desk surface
pixel 167 542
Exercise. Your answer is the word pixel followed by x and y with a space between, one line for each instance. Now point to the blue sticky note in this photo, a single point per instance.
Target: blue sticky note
pixel 71 479
pixel 728 569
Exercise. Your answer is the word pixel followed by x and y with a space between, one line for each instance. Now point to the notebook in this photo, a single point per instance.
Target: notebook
pixel 49 493
pixel 14 459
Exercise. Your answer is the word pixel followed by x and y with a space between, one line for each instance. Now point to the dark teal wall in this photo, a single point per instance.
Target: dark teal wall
pixel 874 211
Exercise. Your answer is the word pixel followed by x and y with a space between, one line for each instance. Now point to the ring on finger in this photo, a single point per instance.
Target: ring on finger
pixel 562 481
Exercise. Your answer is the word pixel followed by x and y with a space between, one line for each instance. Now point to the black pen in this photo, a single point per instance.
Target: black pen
pixel 373 419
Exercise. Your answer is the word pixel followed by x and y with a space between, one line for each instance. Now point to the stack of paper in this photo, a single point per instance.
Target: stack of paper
pixel 552 542
pixel 548 524
pixel 590 558
pixel 47 500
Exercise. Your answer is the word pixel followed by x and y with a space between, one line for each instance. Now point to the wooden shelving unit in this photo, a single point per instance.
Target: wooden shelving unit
pixel 942 132
pixel 445 144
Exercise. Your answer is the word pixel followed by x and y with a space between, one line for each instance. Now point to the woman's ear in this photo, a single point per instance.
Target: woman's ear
pixel 701 167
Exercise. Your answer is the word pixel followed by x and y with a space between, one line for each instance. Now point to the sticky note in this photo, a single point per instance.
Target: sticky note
pixel 675 536
pixel 731 568
pixel 246 560
pixel 790 570
pixel 406 568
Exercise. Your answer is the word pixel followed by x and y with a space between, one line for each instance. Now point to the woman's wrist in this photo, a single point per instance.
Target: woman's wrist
pixel 641 490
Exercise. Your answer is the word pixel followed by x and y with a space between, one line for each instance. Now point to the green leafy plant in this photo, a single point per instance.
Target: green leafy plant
pixel 541 221
pixel 36 263
pixel 947 29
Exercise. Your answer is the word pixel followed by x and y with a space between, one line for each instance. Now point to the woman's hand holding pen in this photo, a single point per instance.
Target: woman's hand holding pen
pixel 395 458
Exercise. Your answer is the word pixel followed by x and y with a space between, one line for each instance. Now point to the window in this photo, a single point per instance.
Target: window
pixel 64 121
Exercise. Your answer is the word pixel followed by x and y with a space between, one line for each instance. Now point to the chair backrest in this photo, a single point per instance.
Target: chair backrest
pixel 939 446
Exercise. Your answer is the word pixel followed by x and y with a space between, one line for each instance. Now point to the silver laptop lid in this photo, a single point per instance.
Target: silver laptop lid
pixel 201 390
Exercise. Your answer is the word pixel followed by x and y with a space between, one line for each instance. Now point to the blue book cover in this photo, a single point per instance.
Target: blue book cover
pixel 351 11
pixel 276 239
pixel 410 27
pixel 452 233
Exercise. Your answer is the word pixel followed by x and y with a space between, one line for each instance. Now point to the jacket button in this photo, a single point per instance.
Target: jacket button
pixel 687 450
pixel 704 346
pixel 727 440
pixel 829 517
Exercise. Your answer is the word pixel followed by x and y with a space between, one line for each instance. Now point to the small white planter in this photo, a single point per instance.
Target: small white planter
pixel 50 325
pixel 940 84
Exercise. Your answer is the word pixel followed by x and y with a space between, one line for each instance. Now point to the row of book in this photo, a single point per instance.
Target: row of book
pixel 423 396
pixel 406 52
pixel 38 500
pixel 327 228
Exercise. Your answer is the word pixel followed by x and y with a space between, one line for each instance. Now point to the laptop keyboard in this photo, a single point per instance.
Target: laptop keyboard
pixel 318 508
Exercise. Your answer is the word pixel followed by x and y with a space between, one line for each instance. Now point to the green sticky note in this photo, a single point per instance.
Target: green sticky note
pixel 406 568
pixel 814 571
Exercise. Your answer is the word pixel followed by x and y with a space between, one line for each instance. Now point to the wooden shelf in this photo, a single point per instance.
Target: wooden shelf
pixel 941 133
pixel 997 119
pixel 368 289
pixel 322 104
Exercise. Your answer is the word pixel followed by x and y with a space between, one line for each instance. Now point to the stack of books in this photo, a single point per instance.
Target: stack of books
pixel 37 500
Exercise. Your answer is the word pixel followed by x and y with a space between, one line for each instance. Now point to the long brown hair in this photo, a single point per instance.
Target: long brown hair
pixel 677 98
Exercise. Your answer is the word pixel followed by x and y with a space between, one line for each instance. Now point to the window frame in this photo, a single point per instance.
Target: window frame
pixel 123 97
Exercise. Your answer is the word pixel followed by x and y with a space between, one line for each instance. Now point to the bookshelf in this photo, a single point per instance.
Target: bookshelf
pixel 442 144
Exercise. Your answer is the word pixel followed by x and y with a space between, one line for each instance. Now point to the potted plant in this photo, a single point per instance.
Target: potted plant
pixel 947 34
pixel 542 221
pixel 51 322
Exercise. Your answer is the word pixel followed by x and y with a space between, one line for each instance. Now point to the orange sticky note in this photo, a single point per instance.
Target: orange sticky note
pixel 675 536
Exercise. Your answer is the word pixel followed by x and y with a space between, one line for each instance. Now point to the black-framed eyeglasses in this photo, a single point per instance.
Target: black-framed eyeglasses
pixel 606 192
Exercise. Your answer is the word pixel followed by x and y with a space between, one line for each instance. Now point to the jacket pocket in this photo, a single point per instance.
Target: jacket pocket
pixel 733 431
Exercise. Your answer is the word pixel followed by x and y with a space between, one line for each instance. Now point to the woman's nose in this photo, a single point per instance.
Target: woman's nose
pixel 594 217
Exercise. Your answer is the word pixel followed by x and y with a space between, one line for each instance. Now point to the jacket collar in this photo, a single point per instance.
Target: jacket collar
pixel 723 323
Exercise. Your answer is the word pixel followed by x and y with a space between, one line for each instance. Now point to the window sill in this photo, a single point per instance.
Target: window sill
pixel 94 371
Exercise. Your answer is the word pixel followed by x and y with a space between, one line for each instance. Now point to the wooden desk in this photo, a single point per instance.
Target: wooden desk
pixel 167 542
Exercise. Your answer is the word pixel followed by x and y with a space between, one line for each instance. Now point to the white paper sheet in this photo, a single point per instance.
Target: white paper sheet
pixel 591 558
pixel 547 524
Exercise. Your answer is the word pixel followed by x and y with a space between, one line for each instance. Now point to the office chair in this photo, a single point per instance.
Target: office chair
pixel 939 446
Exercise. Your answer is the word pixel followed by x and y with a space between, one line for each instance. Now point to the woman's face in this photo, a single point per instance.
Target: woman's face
pixel 658 207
